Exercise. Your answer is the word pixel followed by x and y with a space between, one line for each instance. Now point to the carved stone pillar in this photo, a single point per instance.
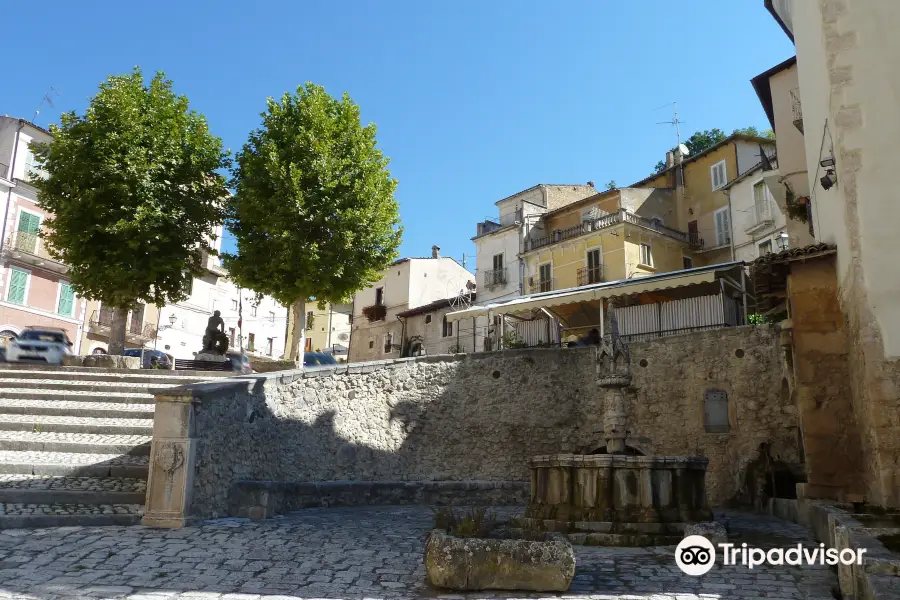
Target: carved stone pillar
pixel 613 376
pixel 171 475
pixel 614 417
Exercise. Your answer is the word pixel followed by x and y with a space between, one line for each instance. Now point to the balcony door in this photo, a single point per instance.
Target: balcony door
pixel 593 266
pixel 27 235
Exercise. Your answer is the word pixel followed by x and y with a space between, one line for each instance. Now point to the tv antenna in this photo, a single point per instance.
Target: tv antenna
pixel 675 121
pixel 464 297
pixel 48 98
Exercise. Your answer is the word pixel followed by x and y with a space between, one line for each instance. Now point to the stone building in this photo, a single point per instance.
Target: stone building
pixel 842 299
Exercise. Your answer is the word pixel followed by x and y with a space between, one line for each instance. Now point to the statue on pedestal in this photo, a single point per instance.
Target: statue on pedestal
pixel 214 340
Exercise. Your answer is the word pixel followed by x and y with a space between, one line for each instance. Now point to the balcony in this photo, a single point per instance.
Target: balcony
pixel 26 247
pixel 796 109
pixel 136 331
pixel 536 286
pixel 375 312
pixel 495 277
pixel 589 275
pixel 762 219
pixel 600 223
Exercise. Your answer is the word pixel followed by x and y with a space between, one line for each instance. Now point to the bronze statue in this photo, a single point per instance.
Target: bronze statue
pixel 215 340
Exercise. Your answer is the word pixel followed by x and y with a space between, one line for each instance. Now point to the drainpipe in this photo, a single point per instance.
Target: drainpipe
pixel 403 334
pixel 730 224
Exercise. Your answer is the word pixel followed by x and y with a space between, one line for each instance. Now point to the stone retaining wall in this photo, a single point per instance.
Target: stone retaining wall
pixel 475 417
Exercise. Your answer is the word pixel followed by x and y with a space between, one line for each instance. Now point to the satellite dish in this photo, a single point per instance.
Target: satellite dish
pixel 683 149
pixel 343 337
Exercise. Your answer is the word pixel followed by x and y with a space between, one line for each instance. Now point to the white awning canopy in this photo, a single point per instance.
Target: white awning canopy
pixel 624 287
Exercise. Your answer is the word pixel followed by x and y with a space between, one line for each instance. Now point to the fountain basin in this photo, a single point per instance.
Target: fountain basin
pixel 618 493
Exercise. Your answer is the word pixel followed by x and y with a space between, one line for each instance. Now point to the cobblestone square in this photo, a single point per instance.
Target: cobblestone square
pixel 354 553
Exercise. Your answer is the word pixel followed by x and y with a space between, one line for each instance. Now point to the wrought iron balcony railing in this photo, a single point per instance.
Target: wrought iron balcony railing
pixel 101 320
pixel 796 109
pixel 536 286
pixel 375 312
pixel 589 275
pixel 495 277
pixel 25 241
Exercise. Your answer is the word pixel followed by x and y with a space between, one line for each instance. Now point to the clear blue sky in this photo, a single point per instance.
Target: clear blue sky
pixel 474 100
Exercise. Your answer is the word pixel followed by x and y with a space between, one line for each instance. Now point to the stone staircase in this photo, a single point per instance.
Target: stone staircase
pixel 75 443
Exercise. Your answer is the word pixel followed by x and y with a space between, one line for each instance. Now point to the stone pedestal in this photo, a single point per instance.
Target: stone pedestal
pixel 171 462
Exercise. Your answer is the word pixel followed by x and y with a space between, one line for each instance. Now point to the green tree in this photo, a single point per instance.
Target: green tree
pixel 313 213
pixel 611 184
pixel 134 194
pixel 703 140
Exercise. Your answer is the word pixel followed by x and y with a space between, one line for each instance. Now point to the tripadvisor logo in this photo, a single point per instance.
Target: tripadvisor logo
pixel 696 555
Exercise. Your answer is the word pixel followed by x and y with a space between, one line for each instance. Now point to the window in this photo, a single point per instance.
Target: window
pixel 269 343
pixel 765 248
pixel 27 232
pixel 388 342
pixel 593 266
pixel 687 262
pixel 761 202
pixel 66 304
pixel 371 344
pixel 718 175
pixel 17 291
pixel 234 305
pixel 715 411
pixel 33 165
pixel 427 319
pixel 723 227
pixel 252 310
pixel 231 337
pixel 379 296
pixel 251 342
pixel 498 261
pixel 447 330
pixel 646 255
pixel 272 316
pixel 545 278
pixel 188 284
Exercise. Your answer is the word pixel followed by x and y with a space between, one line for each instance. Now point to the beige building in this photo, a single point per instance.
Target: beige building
pixel 409 283
pixel 327 330
pixel 847 104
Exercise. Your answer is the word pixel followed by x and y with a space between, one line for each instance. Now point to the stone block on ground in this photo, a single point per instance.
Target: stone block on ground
pixel 102 361
pixel 712 530
pixel 493 564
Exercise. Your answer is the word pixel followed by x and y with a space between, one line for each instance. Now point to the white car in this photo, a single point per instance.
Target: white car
pixel 38 344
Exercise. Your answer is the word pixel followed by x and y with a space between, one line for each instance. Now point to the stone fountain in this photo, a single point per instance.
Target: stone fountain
pixel 616 498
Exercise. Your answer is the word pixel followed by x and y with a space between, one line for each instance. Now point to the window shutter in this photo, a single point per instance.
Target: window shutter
pixel 66 299
pixel 17 282
pixel 726 227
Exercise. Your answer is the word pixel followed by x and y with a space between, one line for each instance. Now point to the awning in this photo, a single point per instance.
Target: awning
pixel 624 287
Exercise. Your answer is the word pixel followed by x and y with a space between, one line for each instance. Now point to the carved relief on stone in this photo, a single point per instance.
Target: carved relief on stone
pixel 169 456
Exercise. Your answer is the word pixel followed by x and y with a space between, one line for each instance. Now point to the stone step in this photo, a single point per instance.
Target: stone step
pixel 76 424
pixel 134 445
pixel 139 377
pixel 31 462
pixel 91 371
pixel 30 516
pixel 70 395
pixel 43 489
pixel 88 387
pixel 75 408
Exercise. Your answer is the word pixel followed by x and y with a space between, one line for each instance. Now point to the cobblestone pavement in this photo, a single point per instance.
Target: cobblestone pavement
pixel 81 484
pixel 9 509
pixel 37 457
pixel 358 553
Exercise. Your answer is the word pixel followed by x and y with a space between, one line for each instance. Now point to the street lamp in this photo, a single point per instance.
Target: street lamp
pixel 782 240
pixel 172 319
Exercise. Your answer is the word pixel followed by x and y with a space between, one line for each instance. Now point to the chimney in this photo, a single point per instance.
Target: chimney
pixel 670 159
pixel 435 252
pixel 590 183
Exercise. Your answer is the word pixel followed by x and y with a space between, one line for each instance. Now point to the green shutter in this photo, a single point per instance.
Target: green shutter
pixel 27 236
pixel 66 299
pixel 29 222
pixel 18 279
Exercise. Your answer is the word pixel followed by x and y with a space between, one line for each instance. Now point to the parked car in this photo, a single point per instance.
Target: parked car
pixel 312 359
pixel 153 359
pixel 240 363
pixel 39 344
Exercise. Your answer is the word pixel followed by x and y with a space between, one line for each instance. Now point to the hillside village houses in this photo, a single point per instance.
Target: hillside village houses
pixel 379 329
pixel 34 290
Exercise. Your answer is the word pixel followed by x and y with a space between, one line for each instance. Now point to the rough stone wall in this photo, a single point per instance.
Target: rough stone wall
pixel 481 416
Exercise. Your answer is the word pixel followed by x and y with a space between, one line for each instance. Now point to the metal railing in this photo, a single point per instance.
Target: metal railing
pixel 535 286
pixel 24 241
pixel 796 106
pixel 602 222
pixel 102 319
pixel 589 275
pixel 495 277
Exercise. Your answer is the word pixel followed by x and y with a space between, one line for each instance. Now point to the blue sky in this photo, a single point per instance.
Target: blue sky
pixel 474 101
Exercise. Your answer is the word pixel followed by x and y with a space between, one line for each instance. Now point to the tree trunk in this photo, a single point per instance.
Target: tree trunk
pixel 298 332
pixel 117 331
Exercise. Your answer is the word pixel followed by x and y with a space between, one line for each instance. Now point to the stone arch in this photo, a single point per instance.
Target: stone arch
pixel 98 348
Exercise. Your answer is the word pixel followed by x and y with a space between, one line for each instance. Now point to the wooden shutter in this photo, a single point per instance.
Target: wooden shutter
pixel 498 261
pixel 66 299
pixel 18 280
pixel 723 228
